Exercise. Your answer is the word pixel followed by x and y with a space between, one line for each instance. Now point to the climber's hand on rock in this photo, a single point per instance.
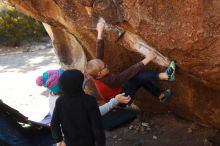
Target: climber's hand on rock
pixel 100 26
pixel 150 56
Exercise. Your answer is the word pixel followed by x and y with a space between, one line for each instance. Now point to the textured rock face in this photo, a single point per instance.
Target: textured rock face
pixel 187 31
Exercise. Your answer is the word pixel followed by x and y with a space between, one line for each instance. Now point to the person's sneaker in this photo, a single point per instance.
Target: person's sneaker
pixel 133 107
pixel 167 95
pixel 171 70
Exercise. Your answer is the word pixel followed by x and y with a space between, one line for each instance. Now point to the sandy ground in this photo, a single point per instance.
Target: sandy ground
pixel 18 72
pixel 20 68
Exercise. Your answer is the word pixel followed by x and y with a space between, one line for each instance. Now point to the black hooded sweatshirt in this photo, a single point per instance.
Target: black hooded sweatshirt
pixel 76 114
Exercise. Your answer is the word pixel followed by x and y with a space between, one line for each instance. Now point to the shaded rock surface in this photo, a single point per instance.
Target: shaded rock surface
pixel 187 31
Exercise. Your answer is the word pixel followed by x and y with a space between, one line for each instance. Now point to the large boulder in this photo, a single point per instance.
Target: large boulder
pixel 187 31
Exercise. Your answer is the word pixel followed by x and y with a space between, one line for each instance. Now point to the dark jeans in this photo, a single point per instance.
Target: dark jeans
pixel 142 79
pixel 12 134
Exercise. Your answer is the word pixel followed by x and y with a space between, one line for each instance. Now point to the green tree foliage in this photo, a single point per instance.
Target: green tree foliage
pixel 15 27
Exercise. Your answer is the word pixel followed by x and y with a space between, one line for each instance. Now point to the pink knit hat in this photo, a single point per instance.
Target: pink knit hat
pixel 50 80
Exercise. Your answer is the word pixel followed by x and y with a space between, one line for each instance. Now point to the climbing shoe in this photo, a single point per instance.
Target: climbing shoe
pixel 167 95
pixel 171 70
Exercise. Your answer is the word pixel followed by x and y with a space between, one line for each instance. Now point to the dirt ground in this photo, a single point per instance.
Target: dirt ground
pixel 162 130
pixel 20 66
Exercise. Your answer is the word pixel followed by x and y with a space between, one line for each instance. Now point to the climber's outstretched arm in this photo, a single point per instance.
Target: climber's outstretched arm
pixel 100 41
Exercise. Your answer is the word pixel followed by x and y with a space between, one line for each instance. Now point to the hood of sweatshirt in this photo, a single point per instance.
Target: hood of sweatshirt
pixel 71 82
